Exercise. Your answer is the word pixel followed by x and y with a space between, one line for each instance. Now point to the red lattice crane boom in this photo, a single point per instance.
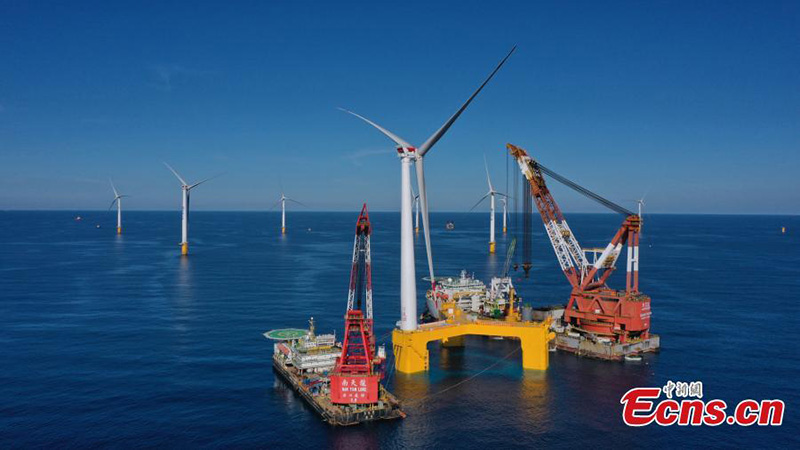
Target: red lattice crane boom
pixel 354 379
pixel 593 306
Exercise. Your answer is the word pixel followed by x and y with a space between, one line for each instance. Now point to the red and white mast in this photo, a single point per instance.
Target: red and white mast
pixel 354 379
pixel 359 296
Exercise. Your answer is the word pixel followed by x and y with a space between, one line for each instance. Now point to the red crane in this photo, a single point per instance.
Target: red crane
pixel 593 306
pixel 354 378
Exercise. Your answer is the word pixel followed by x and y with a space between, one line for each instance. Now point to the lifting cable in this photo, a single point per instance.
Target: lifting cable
pixel 527 229
pixel 582 190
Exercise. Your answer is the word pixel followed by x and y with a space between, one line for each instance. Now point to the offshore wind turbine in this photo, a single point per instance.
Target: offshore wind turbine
pixel 283 201
pixel 410 155
pixel 118 201
pixel 490 194
pixel 185 188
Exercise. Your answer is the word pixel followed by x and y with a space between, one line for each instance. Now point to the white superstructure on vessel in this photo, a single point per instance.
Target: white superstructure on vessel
pixel 308 352
pixel 470 294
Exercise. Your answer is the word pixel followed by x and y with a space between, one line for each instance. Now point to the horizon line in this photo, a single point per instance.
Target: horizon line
pixel 395 212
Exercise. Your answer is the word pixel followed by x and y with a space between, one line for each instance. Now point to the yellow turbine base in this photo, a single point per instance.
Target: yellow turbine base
pixel 491 247
pixel 119 230
pixel 283 230
pixel 416 230
pixel 504 230
pixel 411 347
pixel 185 248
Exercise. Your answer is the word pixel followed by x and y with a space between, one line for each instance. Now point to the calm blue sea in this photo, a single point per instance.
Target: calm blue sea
pixel 117 341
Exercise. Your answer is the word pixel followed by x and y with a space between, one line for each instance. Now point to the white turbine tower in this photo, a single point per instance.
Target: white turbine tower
pixel 410 155
pixel 491 194
pixel 185 188
pixel 118 201
pixel 283 201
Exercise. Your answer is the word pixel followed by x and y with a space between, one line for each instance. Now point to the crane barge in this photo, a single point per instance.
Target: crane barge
pixel 598 321
pixel 341 381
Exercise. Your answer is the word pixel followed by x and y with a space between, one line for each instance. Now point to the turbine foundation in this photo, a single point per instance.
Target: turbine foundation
pixel 184 248
pixel 491 247
pixel 411 347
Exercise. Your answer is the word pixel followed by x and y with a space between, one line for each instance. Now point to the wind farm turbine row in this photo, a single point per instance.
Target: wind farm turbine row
pixel 186 188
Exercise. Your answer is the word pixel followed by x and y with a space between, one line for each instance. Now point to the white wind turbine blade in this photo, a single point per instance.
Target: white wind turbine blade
pixel 116 194
pixel 420 184
pixel 397 139
pixel 488 178
pixel 201 182
pixel 183 182
pixel 441 131
pixel 112 203
pixel 295 201
pixel 426 147
pixel 423 206
pixel 421 151
pixel 480 201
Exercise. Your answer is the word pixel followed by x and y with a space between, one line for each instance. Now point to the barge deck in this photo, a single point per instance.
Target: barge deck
pixel 387 408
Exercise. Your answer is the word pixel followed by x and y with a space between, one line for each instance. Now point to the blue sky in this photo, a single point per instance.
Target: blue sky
pixel 696 104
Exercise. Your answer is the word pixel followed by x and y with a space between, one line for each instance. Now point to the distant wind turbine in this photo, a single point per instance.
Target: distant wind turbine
pixel 118 201
pixel 185 188
pixel 491 194
pixel 283 201
pixel 640 203
pixel 640 206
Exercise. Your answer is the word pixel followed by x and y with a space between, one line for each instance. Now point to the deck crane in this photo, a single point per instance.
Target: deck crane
pixel 355 377
pixel 593 306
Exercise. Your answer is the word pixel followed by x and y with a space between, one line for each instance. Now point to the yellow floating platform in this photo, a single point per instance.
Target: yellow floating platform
pixel 411 347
